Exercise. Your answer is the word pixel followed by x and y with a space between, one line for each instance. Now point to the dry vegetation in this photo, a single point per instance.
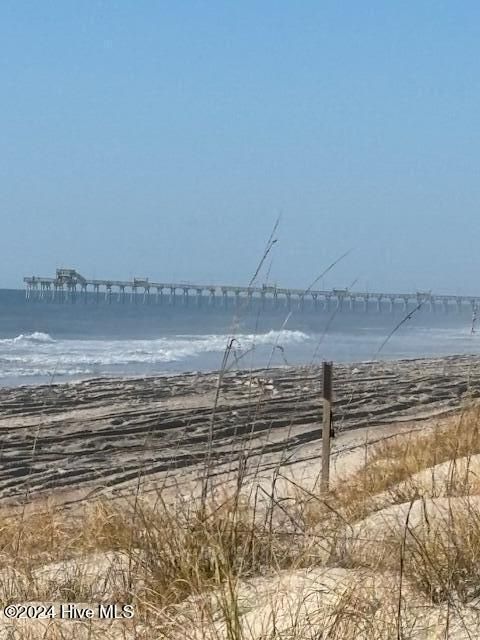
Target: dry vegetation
pixel 393 551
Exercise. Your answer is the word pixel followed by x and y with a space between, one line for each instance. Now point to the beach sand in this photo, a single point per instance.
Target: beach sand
pixel 72 441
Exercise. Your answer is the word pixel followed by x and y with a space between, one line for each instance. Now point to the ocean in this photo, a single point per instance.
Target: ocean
pixel 42 342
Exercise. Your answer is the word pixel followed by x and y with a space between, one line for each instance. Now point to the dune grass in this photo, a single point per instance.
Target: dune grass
pixel 393 461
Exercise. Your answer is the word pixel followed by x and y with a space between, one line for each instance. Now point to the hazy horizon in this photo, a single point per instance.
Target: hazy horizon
pixel 163 140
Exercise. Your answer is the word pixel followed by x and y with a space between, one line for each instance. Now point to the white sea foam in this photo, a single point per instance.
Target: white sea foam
pixel 39 354
pixel 36 373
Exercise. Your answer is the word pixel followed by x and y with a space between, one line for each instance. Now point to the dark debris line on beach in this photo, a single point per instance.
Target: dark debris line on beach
pixel 102 432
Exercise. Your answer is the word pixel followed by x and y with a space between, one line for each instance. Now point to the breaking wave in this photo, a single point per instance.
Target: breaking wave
pixel 35 337
pixel 39 355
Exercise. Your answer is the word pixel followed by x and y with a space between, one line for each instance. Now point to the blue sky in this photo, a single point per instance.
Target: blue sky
pixel 162 139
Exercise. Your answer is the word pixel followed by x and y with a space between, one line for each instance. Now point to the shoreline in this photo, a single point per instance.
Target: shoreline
pixel 103 435
pixel 126 377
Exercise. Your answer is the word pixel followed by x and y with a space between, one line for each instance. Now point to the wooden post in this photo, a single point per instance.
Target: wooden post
pixel 326 424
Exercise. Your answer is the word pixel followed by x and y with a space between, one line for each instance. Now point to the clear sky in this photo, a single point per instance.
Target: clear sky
pixel 163 138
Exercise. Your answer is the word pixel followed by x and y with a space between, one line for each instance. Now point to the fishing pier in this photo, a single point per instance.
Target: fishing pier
pixel 69 286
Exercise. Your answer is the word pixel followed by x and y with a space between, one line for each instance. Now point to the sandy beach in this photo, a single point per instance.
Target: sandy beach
pixel 107 435
pixel 97 480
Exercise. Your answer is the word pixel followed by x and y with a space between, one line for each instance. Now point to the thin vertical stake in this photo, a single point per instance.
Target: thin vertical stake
pixel 326 424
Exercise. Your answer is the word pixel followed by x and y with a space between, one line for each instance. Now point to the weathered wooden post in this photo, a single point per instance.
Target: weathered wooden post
pixel 326 424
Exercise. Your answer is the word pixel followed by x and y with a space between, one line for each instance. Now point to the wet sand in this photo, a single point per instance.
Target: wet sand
pixel 82 438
